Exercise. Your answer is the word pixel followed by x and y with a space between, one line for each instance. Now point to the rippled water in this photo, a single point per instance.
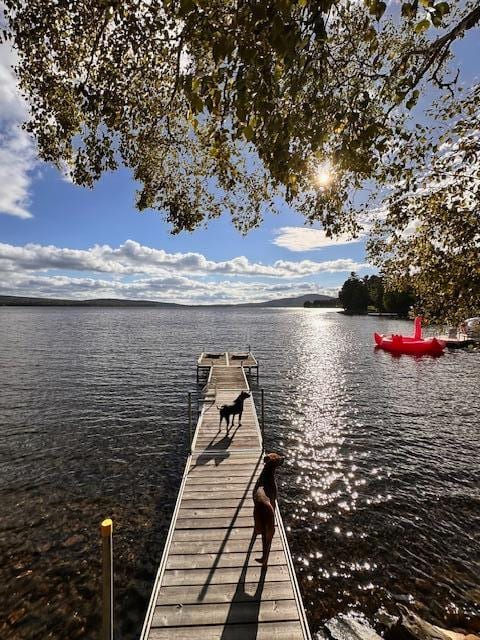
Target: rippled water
pixel 380 491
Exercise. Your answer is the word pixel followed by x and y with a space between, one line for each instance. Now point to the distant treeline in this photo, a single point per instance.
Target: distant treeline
pixel 361 295
pixel 334 302
pixel 19 301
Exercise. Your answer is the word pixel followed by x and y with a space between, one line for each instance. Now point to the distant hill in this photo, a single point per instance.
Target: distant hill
pixel 295 302
pixel 19 301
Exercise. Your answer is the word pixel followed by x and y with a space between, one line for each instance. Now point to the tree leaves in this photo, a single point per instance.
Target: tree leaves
pixel 413 99
pixel 218 106
pixel 376 8
pixel 422 26
pixel 354 295
pixel 409 10
pixel 430 236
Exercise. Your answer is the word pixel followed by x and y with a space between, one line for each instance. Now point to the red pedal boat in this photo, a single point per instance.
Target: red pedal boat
pixel 411 344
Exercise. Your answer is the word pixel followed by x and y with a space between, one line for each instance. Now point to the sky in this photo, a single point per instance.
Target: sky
pixel 64 241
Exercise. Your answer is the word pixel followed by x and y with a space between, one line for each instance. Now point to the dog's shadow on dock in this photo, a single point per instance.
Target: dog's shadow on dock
pixel 245 606
pixel 216 450
pixel 228 532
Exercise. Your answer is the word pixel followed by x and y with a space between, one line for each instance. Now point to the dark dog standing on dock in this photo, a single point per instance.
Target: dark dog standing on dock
pixel 265 500
pixel 227 410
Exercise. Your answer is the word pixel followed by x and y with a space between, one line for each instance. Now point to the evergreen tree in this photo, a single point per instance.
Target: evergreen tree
pixel 354 295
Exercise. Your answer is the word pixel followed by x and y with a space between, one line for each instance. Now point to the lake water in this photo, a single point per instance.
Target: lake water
pixel 380 490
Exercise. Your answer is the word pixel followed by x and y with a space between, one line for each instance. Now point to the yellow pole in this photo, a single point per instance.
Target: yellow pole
pixel 106 529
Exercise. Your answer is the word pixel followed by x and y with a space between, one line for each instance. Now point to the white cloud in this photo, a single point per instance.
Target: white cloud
pixel 135 271
pixel 17 151
pixel 132 258
pixel 307 239
pixel 17 159
pixel 176 289
pixel 13 107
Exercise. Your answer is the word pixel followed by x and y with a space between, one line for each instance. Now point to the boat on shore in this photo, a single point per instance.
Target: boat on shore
pixel 414 345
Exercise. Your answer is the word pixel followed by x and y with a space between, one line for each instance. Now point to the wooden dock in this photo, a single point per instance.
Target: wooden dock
pixel 208 585
pixel 460 342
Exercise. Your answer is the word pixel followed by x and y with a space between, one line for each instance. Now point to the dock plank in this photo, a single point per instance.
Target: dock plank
pixel 219 494
pixel 219 503
pixel 231 613
pixel 222 465
pixel 231 483
pixel 224 593
pixel 221 546
pixel 233 533
pixel 224 559
pixel 234 471
pixel 259 631
pixel 215 523
pixel 205 577
pixel 226 513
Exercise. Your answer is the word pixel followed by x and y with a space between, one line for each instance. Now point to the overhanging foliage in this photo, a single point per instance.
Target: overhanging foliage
pixel 219 106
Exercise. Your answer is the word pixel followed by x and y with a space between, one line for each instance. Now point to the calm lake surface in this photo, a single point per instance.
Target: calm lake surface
pixel 380 490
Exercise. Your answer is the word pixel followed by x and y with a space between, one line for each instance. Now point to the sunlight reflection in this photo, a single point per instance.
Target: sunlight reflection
pixel 323 175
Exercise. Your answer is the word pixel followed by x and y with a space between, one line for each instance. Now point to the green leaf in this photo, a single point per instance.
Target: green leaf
pixel 248 132
pixel 422 26
pixel 410 103
pixel 196 103
pixel 442 8
pixel 380 8
pixel 223 47
pixel 408 10
pixel 186 6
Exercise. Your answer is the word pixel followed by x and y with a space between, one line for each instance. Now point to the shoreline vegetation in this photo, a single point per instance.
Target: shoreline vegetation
pixel 362 296
pixel 369 296
pixel 298 301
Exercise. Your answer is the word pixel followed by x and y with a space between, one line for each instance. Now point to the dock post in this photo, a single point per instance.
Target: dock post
pixel 106 529
pixel 197 374
pixel 189 422
pixel 263 419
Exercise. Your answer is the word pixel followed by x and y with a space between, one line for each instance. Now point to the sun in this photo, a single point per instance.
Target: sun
pixel 323 175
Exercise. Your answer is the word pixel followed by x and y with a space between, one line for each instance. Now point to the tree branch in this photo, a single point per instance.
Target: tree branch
pixel 441 46
pixel 96 42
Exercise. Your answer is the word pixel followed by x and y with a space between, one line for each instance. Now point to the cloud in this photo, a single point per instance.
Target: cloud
pixel 132 258
pixel 307 239
pixel 176 289
pixel 17 151
pixel 135 271
pixel 17 159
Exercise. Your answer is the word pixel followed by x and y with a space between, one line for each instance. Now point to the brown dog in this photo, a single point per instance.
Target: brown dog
pixel 265 500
